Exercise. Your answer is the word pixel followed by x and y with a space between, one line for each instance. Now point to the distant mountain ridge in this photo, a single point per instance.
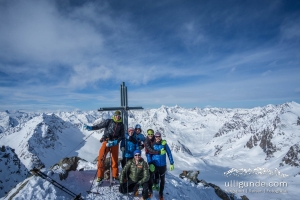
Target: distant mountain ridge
pixel 269 134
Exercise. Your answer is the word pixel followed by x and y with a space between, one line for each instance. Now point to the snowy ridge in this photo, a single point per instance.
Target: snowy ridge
pixel 212 140
pixel 12 171
pixel 82 181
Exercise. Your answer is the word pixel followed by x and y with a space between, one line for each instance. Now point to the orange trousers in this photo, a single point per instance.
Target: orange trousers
pixel 114 159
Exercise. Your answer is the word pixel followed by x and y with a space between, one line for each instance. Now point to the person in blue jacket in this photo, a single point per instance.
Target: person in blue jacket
pixel 159 162
pixel 139 136
pixel 128 146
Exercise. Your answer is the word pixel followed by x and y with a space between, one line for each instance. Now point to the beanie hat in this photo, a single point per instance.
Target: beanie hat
pixel 137 151
pixel 117 112
pixel 157 134
pixel 130 129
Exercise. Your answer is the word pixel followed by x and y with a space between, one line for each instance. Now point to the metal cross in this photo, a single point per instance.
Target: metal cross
pixel 124 106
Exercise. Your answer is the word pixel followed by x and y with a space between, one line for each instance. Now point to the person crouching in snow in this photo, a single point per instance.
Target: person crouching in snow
pixel 128 146
pixel 159 162
pixel 135 174
pixel 113 134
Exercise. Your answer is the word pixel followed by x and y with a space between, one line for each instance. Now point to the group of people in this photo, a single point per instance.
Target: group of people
pixel 136 172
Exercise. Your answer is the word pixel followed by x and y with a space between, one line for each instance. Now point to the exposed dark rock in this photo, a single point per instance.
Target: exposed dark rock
pixel 12 170
pixel 235 124
pixel 266 143
pixel 66 165
pixel 218 149
pixel 223 195
pixel 292 157
pixel 298 121
pixel 191 175
pixel 252 142
pixel 181 147
pixel 244 197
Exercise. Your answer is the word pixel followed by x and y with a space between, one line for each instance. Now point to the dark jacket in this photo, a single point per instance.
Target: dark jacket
pixel 113 130
pixel 137 173
pixel 140 139
pixel 148 146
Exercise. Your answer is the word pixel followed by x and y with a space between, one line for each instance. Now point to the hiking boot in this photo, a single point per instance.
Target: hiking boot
pixel 99 180
pixel 150 195
pixel 161 197
pixel 155 187
pixel 136 193
pixel 116 178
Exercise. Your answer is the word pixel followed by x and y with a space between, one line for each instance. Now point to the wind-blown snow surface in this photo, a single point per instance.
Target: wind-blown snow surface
pixel 232 148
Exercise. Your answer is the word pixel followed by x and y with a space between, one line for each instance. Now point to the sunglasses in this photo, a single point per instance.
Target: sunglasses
pixel 131 131
pixel 137 155
pixel 157 136
pixel 150 134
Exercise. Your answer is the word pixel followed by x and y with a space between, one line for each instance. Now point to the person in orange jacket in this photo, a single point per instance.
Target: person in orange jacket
pixel 113 134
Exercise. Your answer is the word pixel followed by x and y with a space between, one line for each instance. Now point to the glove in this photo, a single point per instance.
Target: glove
pixel 136 187
pixel 89 128
pixel 122 149
pixel 162 151
pixel 164 142
pixel 132 139
pixel 111 143
pixel 101 140
pixel 172 167
pixel 151 167
pixel 141 146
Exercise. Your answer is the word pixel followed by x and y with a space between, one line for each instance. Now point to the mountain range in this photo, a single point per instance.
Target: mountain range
pixel 216 141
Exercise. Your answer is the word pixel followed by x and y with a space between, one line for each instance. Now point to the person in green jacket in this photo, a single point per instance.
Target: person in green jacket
pixel 135 174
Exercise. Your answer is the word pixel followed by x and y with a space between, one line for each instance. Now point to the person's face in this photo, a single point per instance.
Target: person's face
pixel 138 131
pixel 137 156
pixel 117 117
pixel 130 132
pixel 157 138
pixel 150 135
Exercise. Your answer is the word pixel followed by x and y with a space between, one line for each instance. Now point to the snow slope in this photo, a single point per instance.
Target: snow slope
pixel 215 141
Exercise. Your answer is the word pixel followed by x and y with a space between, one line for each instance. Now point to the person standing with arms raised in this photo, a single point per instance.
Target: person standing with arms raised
pixel 113 134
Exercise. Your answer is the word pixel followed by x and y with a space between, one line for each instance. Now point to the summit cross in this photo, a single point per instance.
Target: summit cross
pixel 124 106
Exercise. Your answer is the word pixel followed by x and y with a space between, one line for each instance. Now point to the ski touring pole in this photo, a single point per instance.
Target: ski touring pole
pixel 37 172
pixel 90 191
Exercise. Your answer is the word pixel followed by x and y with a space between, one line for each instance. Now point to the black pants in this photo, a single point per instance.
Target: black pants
pixel 154 179
pixel 124 161
pixel 129 185
pixel 159 173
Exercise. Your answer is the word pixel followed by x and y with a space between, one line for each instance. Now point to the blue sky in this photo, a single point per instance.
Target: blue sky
pixel 66 55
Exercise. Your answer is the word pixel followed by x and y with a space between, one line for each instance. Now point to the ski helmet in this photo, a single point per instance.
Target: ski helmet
pixel 138 126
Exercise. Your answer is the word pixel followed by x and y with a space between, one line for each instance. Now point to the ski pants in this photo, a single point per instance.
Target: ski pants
pixel 114 159
pixel 161 172
pixel 154 179
pixel 129 185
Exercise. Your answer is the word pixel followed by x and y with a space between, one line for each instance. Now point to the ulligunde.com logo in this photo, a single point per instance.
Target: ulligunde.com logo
pixel 256 187
pixel 245 184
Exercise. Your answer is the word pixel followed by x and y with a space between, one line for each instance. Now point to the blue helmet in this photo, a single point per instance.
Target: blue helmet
pixel 138 126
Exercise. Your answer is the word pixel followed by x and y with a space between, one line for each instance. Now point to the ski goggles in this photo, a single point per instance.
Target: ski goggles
pixel 137 154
